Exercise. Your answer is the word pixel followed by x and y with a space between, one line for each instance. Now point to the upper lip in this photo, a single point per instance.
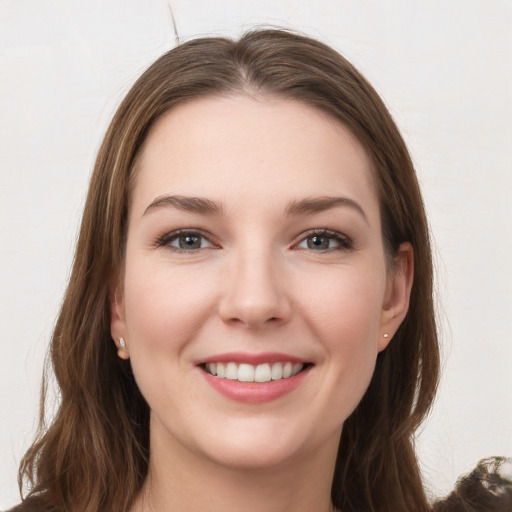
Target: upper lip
pixel 254 359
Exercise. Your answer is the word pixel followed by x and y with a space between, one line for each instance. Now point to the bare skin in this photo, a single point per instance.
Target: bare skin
pixel 254 233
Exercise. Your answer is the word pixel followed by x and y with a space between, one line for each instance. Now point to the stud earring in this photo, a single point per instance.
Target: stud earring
pixel 122 351
pixel 386 335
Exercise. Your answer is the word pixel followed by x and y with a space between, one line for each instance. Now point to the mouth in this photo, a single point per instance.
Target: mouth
pixel 260 373
pixel 254 378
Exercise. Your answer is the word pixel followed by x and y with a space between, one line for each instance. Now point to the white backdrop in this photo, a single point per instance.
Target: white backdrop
pixel 443 68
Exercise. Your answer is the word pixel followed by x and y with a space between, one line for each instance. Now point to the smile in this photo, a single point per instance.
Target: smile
pixel 254 378
pixel 244 372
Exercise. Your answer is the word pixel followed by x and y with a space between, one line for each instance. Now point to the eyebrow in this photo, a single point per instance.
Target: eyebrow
pixel 321 204
pixel 204 206
pixel 198 205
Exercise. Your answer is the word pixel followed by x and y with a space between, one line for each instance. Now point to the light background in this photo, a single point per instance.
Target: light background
pixel 443 68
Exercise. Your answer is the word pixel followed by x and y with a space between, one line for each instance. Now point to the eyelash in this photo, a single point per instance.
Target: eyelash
pixel 168 238
pixel 343 241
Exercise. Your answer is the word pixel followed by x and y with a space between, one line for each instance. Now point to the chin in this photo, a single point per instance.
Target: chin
pixel 256 446
pixel 255 456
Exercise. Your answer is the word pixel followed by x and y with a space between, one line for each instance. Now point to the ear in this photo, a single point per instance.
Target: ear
pixel 398 293
pixel 117 319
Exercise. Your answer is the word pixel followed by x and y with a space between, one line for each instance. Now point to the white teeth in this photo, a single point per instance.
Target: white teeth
pixel 296 368
pixel 249 373
pixel 262 373
pixel 277 371
pixel 246 373
pixel 231 371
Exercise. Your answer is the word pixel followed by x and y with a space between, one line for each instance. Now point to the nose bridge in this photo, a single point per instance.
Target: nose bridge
pixel 254 292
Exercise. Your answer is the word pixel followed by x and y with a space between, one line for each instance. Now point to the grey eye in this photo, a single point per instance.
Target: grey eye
pixel 187 241
pixel 324 241
pixel 317 242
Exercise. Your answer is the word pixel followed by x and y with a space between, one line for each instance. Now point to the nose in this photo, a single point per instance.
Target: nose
pixel 255 292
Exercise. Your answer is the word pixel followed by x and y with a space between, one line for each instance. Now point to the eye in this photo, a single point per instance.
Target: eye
pixel 184 240
pixel 325 240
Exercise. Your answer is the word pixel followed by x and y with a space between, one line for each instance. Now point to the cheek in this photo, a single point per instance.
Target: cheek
pixel 164 311
pixel 165 306
pixel 345 306
pixel 345 316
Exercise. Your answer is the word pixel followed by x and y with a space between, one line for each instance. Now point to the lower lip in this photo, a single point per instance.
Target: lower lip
pixel 255 392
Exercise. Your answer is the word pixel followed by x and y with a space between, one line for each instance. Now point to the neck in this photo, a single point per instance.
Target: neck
pixel 196 483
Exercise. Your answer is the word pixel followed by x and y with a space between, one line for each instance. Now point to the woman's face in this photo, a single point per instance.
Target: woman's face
pixel 255 295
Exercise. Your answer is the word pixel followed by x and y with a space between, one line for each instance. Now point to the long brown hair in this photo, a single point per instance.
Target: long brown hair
pixel 94 455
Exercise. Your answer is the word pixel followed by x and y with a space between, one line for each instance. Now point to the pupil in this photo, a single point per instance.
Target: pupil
pixel 190 242
pixel 318 242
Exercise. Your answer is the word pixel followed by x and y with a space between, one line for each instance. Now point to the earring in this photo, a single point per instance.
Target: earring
pixel 386 335
pixel 122 351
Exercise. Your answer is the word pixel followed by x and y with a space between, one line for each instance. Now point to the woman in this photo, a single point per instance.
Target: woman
pixel 249 322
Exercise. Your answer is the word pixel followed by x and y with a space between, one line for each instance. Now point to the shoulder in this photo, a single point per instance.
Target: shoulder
pixel 487 488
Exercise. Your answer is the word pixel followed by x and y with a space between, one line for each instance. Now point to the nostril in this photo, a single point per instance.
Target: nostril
pixel 249 322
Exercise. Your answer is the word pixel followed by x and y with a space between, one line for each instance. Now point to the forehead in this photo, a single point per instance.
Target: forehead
pixel 253 148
